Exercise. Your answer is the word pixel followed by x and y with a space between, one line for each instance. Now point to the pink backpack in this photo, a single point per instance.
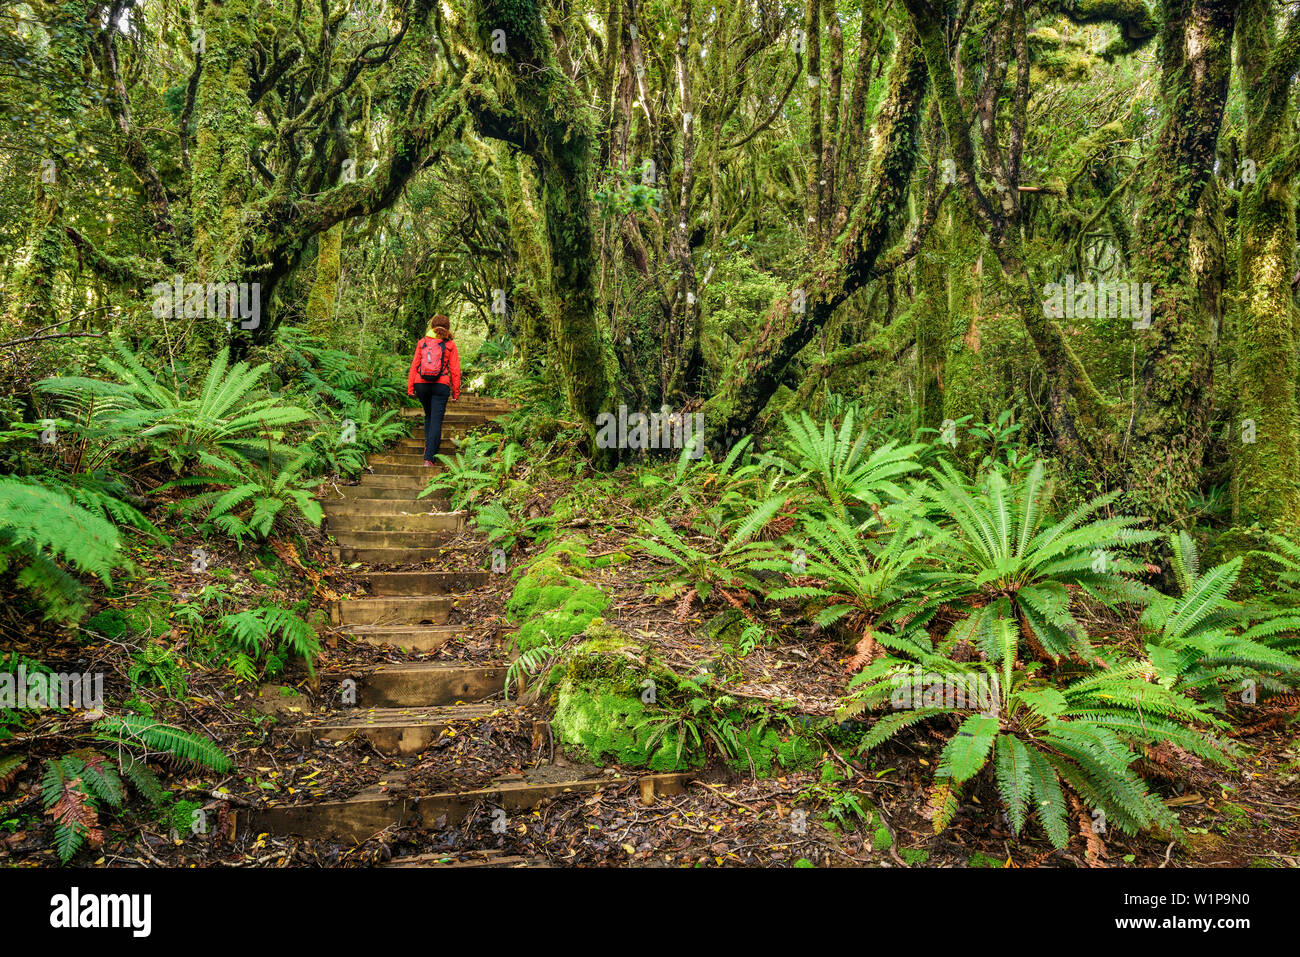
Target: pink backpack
pixel 427 367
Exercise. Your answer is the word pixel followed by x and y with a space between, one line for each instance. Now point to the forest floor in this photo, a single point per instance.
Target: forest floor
pixel 1250 817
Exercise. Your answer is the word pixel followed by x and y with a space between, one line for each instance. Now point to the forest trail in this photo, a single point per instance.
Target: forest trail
pixel 401 708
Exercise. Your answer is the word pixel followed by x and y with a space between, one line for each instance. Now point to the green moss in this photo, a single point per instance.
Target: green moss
pixel 320 302
pixel 1235 818
pixel 1258 576
pixel 552 604
pixel 555 613
pixel 147 619
pixel 598 687
pixel 980 859
pixel 881 838
pixel 603 725
pixel 110 623
pixel 598 705
pixel 182 816
pixel 914 855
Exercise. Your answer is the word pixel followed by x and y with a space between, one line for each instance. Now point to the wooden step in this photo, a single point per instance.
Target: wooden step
pixel 408 495
pixel 408 447
pixel 416 610
pixel 466 406
pixel 372 811
pixel 420 683
pixel 488 857
pixel 449 426
pixel 456 430
pixel 421 638
pixel 412 468
pixel 460 419
pixel 407 730
pixel 425 583
pixel 367 521
pixel 350 554
pixel 458 414
pixel 413 478
pixel 383 507
pixel 415 441
pixel 415 446
pixel 412 456
pixel 404 451
pixel 387 538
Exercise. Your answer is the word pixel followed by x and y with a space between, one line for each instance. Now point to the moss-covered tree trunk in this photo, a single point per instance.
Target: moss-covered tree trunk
pixel 791 323
pixel 530 296
pixel 1170 425
pixel 323 298
pixel 1073 399
pixel 536 105
pixel 930 319
pixel 680 356
pixel 1265 438
pixel 963 387
pixel 221 183
pixel 33 299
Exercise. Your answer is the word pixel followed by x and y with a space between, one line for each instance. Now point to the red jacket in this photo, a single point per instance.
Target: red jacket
pixel 451 377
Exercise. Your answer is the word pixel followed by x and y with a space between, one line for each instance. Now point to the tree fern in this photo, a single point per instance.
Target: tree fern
pixel 727 564
pixel 251 502
pixel 69 803
pixel 76 785
pixel 1042 740
pixel 467 475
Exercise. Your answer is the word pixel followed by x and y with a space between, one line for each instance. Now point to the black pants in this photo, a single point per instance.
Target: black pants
pixel 433 396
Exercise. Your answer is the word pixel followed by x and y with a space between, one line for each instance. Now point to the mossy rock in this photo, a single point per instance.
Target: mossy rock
pixel 561 559
pixel 598 705
pixel 554 613
pixel 550 604
pixel 604 727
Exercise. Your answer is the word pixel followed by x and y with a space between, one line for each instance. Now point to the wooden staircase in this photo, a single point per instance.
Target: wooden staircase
pixel 402 708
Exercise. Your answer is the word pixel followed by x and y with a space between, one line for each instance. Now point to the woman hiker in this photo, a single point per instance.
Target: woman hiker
pixel 434 378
